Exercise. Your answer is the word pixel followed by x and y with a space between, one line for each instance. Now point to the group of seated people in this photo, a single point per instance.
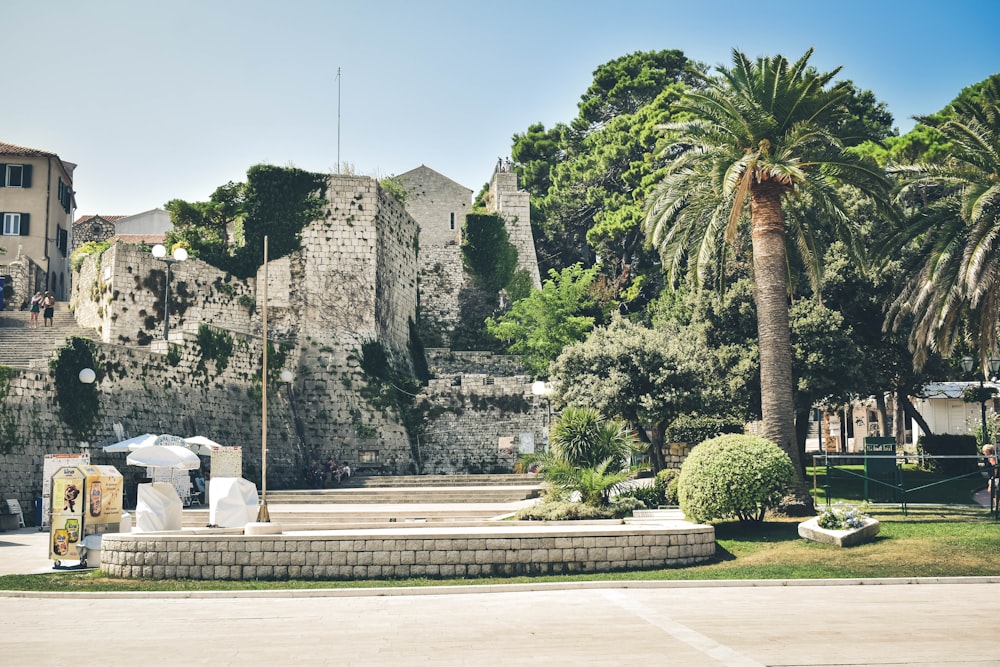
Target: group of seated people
pixel 317 476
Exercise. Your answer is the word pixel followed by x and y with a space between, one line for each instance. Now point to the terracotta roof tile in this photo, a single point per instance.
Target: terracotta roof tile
pixel 139 238
pixel 21 151
pixel 107 218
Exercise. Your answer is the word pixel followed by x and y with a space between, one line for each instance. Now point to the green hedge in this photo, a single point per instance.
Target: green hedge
pixel 950 445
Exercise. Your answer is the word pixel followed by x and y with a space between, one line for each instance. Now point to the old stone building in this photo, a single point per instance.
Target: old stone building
pixel 352 285
pixel 147 227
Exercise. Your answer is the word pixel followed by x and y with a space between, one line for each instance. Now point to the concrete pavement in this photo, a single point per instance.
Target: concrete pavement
pixel 690 624
pixel 738 623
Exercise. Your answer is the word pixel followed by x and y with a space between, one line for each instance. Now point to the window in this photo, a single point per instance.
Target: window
pixel 65 194
pixel 15 224
pixel 11 224
pixel 453 221
pixel 15 175
pixel 62 239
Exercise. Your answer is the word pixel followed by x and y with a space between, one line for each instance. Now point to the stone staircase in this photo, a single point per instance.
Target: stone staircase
pixel 368 500
pixel 403 489
pixel 27 348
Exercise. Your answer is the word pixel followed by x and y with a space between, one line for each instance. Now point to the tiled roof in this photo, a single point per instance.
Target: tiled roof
pixel 140 238
pixel 107 218
pixel 21 151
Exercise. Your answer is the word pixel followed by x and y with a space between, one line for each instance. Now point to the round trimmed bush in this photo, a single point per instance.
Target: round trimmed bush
pixel 739 476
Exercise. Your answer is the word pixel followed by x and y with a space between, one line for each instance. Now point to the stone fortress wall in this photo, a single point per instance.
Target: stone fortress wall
pixel 355 280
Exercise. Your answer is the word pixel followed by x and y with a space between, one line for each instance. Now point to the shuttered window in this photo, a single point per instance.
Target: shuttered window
pixel 15 224
pixel 15 175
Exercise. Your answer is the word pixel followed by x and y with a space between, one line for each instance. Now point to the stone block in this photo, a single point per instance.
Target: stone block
pixel 810 530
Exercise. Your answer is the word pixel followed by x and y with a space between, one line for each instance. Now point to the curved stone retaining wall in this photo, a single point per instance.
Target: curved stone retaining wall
pixel 506 550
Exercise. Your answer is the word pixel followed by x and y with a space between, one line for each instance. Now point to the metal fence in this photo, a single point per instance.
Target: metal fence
pixel 883 477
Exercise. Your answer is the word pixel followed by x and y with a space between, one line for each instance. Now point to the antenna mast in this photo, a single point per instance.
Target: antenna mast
pixel 338 120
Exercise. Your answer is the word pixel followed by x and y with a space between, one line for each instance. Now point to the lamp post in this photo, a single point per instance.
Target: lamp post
pixel 263 516
pixel 179 255
pixel 542 390
pixel 994 366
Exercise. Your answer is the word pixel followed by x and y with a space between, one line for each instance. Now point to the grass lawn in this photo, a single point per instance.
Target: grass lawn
pixel 927 542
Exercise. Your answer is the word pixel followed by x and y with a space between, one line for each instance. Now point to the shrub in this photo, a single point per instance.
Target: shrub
pixel 698 428
pixel 561 511
pixel 623 506
pixel 650 496
pixel 949 445
pixel 738 476
pixel 666 484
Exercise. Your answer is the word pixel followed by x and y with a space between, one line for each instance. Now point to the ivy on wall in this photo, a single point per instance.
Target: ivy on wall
pixel 487 253
pixel 216 346
pixel 78 404
pixel 280 202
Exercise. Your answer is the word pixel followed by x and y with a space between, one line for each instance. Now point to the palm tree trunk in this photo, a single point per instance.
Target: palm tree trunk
pixel 770 268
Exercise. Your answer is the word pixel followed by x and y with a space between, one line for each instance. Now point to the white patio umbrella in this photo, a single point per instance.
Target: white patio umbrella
pixel 132 444
pixel 199 444
pixel 164 456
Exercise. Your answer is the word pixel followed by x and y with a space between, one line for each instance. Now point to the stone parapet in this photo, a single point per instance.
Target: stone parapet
pixel 516 549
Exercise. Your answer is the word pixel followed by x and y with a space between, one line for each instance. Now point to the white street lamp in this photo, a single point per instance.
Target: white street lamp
pixel 87 376
pixel 160 253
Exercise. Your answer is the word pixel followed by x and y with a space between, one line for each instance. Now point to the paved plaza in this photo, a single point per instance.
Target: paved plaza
pixel 912 622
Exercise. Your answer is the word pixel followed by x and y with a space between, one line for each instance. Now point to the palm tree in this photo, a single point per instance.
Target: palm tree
pixel 954 283
pixel 767 135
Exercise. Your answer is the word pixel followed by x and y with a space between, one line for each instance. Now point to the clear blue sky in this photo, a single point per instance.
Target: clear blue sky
pixel 163 100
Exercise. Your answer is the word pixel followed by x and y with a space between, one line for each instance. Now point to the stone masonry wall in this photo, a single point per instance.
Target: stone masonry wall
pixel 121 294
pixel 407 552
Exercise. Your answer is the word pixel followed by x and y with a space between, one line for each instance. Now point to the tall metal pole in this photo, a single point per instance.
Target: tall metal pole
pixel 262 514
pixel 338 120
pixel 166 304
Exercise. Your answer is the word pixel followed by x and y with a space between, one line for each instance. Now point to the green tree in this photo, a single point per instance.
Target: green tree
pixel 763 135
pixel 205 227
pixel 593 171
pixel 487 253
pixel 953 283
pixel 538 327
pixel 646 376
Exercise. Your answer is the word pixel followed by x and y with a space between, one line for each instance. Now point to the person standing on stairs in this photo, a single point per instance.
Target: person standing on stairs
pixel 49 306
pixel 36 307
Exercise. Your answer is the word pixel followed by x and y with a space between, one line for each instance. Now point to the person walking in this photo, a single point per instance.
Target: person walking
pixel 36 307
pixel 49 308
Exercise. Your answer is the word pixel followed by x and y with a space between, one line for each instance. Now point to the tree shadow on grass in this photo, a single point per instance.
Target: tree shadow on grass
pixel 765 531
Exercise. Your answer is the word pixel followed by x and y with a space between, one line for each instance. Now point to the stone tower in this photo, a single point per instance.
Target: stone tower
pixel 514 207
pixel 439 206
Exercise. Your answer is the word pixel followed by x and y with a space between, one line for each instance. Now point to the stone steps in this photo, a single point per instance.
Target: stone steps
pixel 25 347
pixel 409 481
pixel 325 520
pixel 407 495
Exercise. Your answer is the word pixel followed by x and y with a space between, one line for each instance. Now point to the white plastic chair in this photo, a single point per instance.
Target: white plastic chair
pixel 14 505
